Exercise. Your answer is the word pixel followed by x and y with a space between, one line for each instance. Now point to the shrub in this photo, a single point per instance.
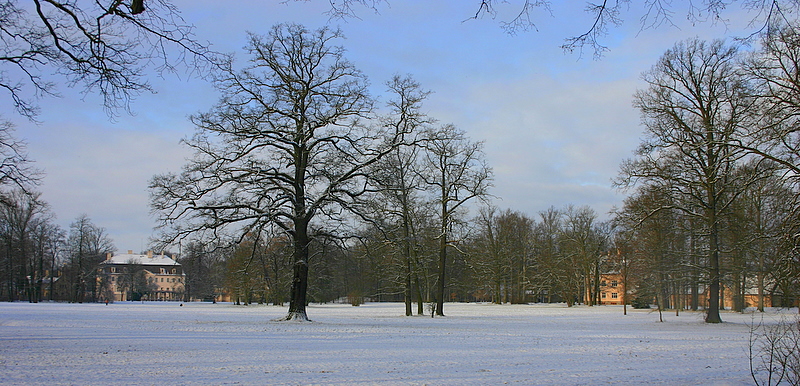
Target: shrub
pixel 774 352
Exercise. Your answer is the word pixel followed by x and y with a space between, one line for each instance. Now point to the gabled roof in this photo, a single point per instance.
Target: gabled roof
pixel 128 258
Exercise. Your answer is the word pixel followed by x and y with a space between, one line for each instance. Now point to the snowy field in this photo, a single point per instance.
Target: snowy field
pixel 202 343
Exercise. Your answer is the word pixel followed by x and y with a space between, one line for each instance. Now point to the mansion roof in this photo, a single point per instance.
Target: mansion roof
pixel 148 259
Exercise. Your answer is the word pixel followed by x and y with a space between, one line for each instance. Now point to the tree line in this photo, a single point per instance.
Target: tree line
pixel 42 261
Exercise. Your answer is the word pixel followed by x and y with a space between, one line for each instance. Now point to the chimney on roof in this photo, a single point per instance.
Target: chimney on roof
pixel 149 254
pixel 108 255
pixel 130 251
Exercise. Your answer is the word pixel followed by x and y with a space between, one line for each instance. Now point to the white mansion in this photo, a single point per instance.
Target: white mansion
pixel 164 276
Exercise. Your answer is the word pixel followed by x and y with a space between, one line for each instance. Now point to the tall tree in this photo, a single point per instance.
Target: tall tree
pixel 655 243
pixel 503 253
pixel 284 146
pixel 692 111
pixel 488 260
pixel 582 243
pixel 455 172
pixel 202 262
pixel 398 201
pixel 245 272
pixel 87 246
pixel 20 215
pixel 547 255
pixel 46 242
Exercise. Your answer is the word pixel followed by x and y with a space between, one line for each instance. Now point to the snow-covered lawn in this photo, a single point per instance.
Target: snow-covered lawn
pixel 202 343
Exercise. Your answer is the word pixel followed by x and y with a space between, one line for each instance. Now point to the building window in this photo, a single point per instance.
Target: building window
pixel 613 283
pixel 614 295
pixel 603 283
pixel 603 295
pixel 113 270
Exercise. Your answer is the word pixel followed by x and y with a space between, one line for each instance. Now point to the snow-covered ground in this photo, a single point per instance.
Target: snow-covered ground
pixel 202 343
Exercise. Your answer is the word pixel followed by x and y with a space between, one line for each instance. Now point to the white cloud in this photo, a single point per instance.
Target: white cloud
pixel 103 171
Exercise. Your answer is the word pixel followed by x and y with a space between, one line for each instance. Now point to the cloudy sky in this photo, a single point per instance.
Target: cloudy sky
pixel 555 125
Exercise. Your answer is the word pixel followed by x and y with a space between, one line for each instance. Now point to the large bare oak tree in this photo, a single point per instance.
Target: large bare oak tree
pixel 288 143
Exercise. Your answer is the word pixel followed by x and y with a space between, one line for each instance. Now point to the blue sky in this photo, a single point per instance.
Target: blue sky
pixel 555 125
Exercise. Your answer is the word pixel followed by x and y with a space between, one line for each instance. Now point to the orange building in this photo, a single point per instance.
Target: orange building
pixel 611 289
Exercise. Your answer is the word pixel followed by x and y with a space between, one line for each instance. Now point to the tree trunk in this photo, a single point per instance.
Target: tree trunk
pixel 624 288
pixel 408 292
pixel 496 296
pixel 297 304
pixel 420 301
pixel 596 284
pixel 760 279
pixel 445 219
pixel 407 253
pixel 736 292
pixel 695 285
pixel 10 282
pixel 440 281
pixel 712 315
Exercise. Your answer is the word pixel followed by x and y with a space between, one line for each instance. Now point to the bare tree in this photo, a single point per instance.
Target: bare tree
pixel 245 272
pixel 547 256
pixel 569 246
pixel 693 110
pixel 16 170
pixel 87 246
pixel 20 215
pixel 502 253
pixel 285 146
pixel 487 258
pixel 774 134
pixel 398 182
pixel 455 172
pixel 775 71
pixel 603 15
pixel 203 264
pixel 582 243
pixel 774 352
pixel 103 46
pixel 655 243
pixel 46 240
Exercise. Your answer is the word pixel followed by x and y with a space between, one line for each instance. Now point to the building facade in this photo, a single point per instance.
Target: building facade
pixel 132 276
pixel 612 289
